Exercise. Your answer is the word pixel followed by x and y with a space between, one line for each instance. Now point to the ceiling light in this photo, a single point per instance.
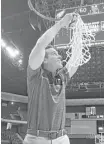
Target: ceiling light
pixel 3 44
pixel 16 52
pixel 11 52
pixel 20 61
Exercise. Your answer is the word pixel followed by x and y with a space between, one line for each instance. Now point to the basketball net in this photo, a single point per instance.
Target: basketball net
pixel 78 48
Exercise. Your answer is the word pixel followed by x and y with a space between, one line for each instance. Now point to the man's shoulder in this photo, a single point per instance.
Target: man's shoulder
pixel 31 72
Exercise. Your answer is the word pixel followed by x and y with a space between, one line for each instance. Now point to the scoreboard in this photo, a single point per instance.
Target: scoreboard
pixel 92 16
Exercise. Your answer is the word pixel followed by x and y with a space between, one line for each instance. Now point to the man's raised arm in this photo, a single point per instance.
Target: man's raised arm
pixel 38 53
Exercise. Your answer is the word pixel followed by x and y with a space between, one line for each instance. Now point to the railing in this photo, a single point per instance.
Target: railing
pixel 13 121
pixel 69 102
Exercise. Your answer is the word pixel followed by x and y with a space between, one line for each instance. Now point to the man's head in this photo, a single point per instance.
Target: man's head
pixel 52 60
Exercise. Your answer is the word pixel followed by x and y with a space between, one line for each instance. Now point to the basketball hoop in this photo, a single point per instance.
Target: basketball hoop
pixel 39 14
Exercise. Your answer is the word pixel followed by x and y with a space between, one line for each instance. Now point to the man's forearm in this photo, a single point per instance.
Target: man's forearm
pixel 49 35
pixel 38 52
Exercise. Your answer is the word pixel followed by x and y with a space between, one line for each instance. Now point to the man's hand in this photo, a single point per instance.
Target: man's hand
pixel 66 20
pixel 74 19
pixel 69 18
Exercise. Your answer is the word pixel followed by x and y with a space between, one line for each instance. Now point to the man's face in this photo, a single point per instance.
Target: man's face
pixel 53 59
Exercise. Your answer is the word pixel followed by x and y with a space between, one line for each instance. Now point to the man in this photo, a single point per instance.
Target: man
pixel 46 81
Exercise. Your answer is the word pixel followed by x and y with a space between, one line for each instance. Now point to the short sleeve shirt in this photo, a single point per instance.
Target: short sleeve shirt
pixel 46 99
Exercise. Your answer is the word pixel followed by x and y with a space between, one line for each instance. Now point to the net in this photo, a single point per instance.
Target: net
pixel 77 52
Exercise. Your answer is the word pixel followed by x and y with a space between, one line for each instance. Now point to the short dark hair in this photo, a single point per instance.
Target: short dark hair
pixel 48 47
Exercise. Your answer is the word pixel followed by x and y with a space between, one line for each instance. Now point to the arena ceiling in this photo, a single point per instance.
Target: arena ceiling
pixel 17 31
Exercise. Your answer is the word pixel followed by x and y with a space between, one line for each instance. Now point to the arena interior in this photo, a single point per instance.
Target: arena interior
pixel 20 29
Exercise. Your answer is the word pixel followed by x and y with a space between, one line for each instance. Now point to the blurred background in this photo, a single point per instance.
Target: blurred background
pixel 20 29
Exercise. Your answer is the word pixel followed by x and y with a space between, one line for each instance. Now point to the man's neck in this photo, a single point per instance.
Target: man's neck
pixel 54 73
